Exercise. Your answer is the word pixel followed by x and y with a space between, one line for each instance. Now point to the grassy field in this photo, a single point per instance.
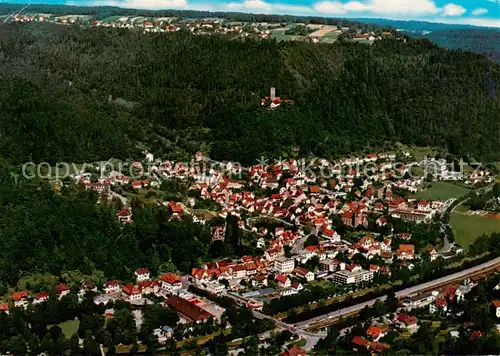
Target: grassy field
pixel 279 35
pixel 69 327
pixel 468 227
pixel 442 191
pixel 418 152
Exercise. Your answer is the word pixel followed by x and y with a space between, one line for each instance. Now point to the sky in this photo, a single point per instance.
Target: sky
pixel 473 12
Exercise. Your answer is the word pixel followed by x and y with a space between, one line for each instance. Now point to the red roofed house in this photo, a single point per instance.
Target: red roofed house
pixel 294 351
pixel 148 287
pixel 347 218
pixel 239 271
pixel 187 310
pixel 399 203
pixel 218 233
pixel 4 307
pixel 439 304
pixel 314 189
pixel 405 321
pixel 283 281
pixel 360 341
pixel 175 208
pixel 360 219
pixel 20 299
pixel 431 251
pixel 304 273
pixel 404 236
pixel 62 289
pixel 297 286
pixel 138 184
pixel 124 216
pixel 378 347
pixel 424 205
pixel 131 292
pixel 375 333
pixel 381 221
pixel 41 297
pixel 330 234
pixel 476 334
pixel 171 282
pixel 372 157
pixel 496 307
pixel 406 251
pixel 142 274
pixel 111 287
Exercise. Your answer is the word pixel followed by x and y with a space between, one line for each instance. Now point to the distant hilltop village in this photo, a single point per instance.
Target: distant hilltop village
pixel 315 33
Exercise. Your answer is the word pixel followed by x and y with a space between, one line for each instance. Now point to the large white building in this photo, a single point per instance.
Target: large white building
pixel 419 301
pixel 284 265
pixel 214 287
pixel 355 277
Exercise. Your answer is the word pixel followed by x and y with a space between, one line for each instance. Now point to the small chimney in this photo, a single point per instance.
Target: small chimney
pixel 273 93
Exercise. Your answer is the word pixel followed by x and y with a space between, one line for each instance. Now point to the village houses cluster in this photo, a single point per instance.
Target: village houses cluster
pixel 300 197
pixel 437 302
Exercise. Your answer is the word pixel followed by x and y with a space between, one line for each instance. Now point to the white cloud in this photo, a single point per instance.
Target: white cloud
pixel 261 6
pixel 420 7
pixel 255 4
pixel 379 7
pixel 471 21
pixel 453 10
pixel 356 6
pixel 330 7
pixel 142 4
pixel 479 11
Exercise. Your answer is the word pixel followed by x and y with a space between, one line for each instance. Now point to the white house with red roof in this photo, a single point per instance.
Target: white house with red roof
pixel 330 234
pixel 303 273
pixel 175 208
pixel 439 304
pixel 142 274
pixel 381 221
pixel 124 216
pixel 405 321
pixel 431 251
pixel 20 299
pixel 171 282
pixel 496 307
pixel 424 205
pixel 131 292
pixel 62 289
pixel 406 252
pixel 238 271
pixel 283 281
pixel 111 287
pixel 297 286
pixel 41 297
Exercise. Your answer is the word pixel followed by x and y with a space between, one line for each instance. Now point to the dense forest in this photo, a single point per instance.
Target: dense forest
pixel 69 232
pixel 483 41
pixel 180 93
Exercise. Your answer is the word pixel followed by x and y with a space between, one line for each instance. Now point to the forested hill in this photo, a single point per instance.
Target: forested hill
pixel 180 93
pixel 483 41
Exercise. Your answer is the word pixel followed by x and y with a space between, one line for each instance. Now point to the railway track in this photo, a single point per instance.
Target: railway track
pixel 329 319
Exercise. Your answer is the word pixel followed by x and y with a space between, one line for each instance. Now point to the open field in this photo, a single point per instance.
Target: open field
pixel 442 191
pixel 69 327
pixel 418 152
pixel 468 227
